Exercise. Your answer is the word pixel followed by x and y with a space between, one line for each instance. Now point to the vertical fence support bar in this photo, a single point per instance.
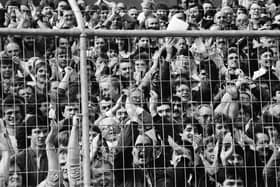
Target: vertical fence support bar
pixel 85 120
pixel 84 93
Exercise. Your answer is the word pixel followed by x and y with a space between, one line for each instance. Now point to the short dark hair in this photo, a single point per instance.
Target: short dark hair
pixel 12 101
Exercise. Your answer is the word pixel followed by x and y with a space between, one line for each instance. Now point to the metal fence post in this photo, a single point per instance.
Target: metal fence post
pixel 85 120
pixel 84 93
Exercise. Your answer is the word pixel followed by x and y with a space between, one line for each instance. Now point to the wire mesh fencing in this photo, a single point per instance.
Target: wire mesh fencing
pixel 162 111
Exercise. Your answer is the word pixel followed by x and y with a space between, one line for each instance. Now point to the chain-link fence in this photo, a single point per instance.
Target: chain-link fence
pixel 159 108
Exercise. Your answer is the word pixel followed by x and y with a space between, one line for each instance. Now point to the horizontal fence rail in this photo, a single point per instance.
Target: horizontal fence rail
pixel 133 33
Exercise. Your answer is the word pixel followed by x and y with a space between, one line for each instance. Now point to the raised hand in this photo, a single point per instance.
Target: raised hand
pixel 50 140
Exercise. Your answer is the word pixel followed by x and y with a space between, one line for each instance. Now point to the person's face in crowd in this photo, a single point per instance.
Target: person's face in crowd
pixel 6 71
pixel 44 108
pixel 68 18
pixel 220 18
pixel 233 61
pixel 116 23
pixel 108 90
pixel 63 43
pixel 262 146
pixel 204 116
pixel 152 23
pixel 207 6
pixel 121 43
pixel 110 129
pixel 62 59
pixel 221 128
pixel 133 13
pixel 61 6
pixel 228 12
pixel 255 11
pixel 104 106
pixel 125 70
pixel 70 111
pixel 141 66
pixel 268 42
pixel 12 115
pixel 181 45
pixel 102 176
pixel 121 114
pixel 162 24
pixel 233 183
pixel 53 87
pixel 188 133
pixel 146 9
pixel 26 93
pixel 136 97
pixel 25 9
pixel 62 159
pixel 162 13
pixel 121 8
pixel 242 21
pixel 13 50
pixel 15 178
pixel 193 14
pixel 103 15
pixel 221 44
pixel 176 109
pixel 183 91
pixel 143 42
pixel 100 62
pixel 203 75
pixel 142 150
pixel 209 152
pixel 184 4
pixel 235 159
pixel 112 53
pixel 243 117
pixel 164 111
pixel 47 11
pixel 38 137
pixel 99 45
pixel 42 74
pixel 266 59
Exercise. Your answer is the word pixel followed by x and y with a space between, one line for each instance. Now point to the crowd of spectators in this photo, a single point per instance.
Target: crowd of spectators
pixel 182 112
